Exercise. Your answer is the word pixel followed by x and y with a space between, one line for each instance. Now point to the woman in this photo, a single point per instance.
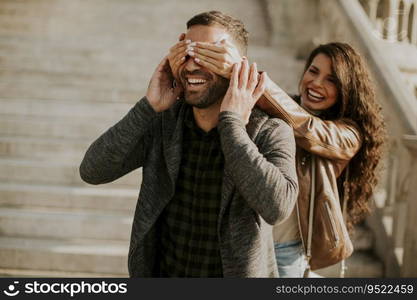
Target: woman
pixel 338 123
pixel 339 132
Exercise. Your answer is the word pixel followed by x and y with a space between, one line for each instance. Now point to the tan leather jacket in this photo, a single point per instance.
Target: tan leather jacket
pixel 333 143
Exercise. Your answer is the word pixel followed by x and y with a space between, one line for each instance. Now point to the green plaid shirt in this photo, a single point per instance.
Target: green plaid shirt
pixel 189 240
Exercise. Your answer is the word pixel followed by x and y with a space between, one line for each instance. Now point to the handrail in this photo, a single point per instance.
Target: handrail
pixel 409 269
pixel 411 141
pixel 388 73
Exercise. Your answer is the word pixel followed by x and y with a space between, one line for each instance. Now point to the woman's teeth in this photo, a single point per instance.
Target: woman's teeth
pixel 314 95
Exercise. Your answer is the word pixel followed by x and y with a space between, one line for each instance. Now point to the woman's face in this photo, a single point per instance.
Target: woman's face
pixel 318 86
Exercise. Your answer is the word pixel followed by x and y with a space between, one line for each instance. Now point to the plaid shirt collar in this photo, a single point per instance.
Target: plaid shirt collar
pixel 190 122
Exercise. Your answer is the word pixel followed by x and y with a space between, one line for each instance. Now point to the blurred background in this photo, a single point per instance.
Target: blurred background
pixel 71 69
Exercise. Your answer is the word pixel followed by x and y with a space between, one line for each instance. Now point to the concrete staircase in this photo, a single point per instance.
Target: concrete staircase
pixel 68 71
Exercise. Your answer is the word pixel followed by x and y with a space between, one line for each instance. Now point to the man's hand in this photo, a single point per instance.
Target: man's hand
pixel 161 94
pixel 218 58
pixel 244 90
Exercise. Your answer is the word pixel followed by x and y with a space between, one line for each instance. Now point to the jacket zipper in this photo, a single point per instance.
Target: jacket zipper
pixel 303 161
pixel 299 227
pixel 332 224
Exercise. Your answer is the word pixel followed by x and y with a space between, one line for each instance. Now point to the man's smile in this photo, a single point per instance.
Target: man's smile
pixel 195 83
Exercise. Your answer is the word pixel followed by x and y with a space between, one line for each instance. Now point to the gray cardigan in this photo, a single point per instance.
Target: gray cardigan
pixel 259 184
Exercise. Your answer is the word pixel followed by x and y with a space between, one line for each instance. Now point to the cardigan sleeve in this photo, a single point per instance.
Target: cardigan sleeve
pixel 121 149
pixel 264 176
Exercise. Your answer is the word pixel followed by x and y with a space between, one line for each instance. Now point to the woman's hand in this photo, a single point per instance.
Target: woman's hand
pixel 218 58
pixel 178 53
pixel 244 90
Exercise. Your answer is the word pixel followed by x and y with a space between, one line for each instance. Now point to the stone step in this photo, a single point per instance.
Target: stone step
pixel 76 110
pixel 362 264
pixel 362 238
pixel 110 63
pixel 66 91
pixel 68 128
pixel 59 24
pixel 98 48
pixel 64 224
pixel 77 79
pixel 81 256
pixel 17 273
pixel 280 65
pixel 42 20
pixel 103 197
pixel 79 65
pixel 64 150
pixel 56 18
pixel 50 172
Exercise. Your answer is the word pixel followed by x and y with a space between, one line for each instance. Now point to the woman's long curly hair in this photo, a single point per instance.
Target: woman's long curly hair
pixel 356 102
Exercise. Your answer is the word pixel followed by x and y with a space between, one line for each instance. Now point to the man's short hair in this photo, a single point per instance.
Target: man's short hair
pixel 233 26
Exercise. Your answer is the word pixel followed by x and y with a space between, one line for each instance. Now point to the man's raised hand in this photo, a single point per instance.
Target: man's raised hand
pixel 244 90
pixel 161 92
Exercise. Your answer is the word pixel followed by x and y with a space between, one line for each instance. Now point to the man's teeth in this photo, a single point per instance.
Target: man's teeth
pixel 191 80
pixel 315 95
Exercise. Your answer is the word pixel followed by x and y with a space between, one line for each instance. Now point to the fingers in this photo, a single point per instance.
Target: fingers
pixel 178 48
pixel 178 60
pixel 222 47
pixel 209 63
pixel 201 58
pixel 253 77
pixel 212 47
pixel 179 57
pixel 222 54
pixel 260 88
pixel 243 78
pixel 221 43
pixel 234 79
pixel 179 45
pixel 181 37
pixel 222 61
pixel 162 64
pixel 177 54
pixel 208 53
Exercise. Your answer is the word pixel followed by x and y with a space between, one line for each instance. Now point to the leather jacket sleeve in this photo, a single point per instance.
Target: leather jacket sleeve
pixel 337 139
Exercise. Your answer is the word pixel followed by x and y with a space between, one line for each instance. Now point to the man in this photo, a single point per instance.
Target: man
pixel 212 187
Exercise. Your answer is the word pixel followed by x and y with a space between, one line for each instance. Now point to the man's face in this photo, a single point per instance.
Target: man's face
pixel 202 88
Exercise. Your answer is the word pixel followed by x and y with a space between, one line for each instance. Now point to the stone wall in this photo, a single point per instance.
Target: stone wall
pixel 297 21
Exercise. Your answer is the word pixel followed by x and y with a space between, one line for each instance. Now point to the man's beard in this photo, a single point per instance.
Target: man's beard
pixel 214 92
